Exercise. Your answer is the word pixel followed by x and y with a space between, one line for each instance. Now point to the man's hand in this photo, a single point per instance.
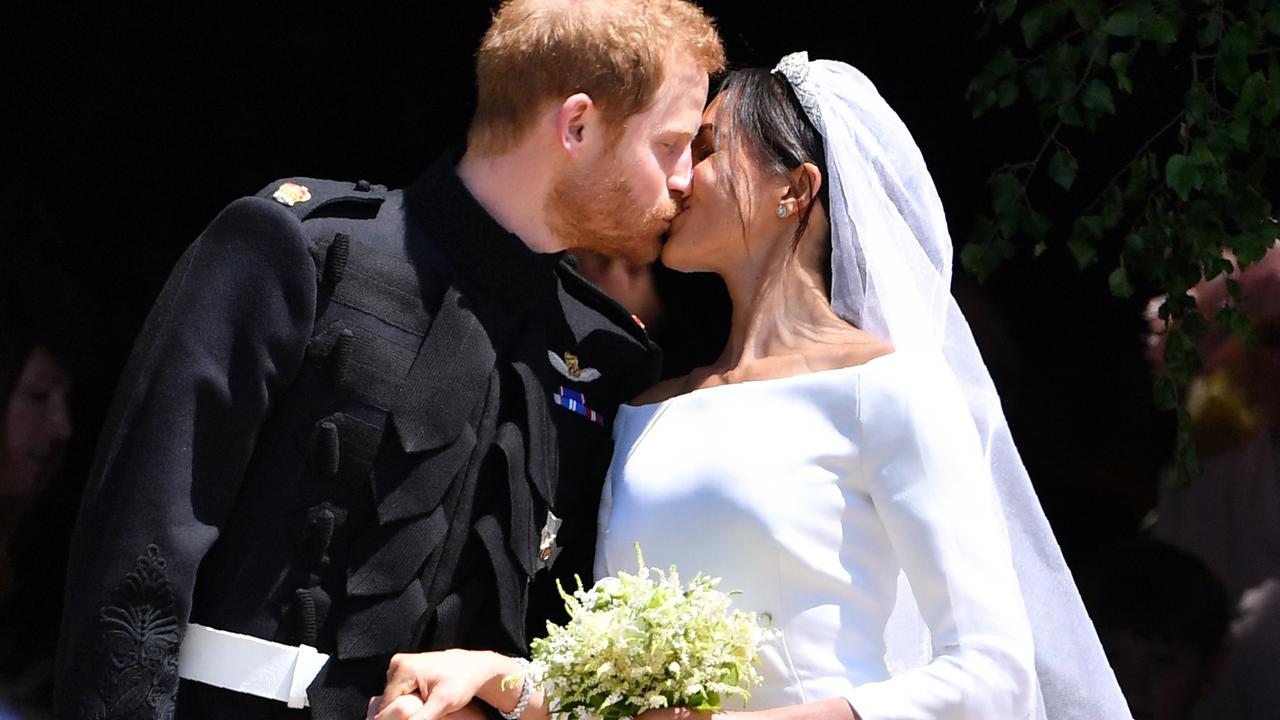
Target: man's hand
pixel 433 685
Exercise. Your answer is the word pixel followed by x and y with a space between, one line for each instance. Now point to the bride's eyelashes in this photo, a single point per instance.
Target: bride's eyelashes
pixel 704 144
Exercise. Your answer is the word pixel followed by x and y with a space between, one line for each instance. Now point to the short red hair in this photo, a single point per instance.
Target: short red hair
pixel 540 51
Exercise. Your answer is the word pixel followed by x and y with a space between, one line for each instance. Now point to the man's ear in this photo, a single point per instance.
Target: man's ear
pixel 803 184
pixel 571 121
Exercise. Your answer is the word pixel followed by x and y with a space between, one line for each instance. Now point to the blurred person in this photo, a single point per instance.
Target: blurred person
pixel 1163 618
pixel 39 361
pixel 1229 515
pixel 35 392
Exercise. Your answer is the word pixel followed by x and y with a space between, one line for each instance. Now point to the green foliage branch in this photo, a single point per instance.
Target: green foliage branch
pixel 1178 204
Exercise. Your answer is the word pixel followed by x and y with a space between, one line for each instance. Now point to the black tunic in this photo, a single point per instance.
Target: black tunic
pixel 343 425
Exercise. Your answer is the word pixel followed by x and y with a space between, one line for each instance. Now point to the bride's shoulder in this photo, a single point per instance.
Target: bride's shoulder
pixel 849 348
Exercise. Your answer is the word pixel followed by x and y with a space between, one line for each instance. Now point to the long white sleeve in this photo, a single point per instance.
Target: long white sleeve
pixel 922 467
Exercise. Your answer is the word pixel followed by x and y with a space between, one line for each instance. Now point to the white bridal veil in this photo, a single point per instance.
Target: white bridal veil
pixel 891 271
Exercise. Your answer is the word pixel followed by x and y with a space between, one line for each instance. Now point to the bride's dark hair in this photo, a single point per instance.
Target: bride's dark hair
pixel 760 114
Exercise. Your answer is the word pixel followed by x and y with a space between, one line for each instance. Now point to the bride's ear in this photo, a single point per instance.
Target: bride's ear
pixel 804 183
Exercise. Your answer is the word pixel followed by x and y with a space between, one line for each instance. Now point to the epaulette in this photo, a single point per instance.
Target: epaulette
pixel 599 300
pixel 314 198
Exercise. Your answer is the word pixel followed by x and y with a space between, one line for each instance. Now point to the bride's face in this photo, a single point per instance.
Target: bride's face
pixel 713 231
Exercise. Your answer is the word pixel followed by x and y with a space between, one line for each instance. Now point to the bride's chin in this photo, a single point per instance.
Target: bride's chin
pixel 674 258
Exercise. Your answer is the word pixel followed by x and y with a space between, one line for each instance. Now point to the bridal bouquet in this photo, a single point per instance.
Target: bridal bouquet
pixel 641 642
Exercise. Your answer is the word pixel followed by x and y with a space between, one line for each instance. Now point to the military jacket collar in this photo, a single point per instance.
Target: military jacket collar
pixel 486 255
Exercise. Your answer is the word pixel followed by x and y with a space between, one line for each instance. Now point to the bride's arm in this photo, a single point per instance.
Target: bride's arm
pixel 830 709
pixel 431 685
pixel 925 472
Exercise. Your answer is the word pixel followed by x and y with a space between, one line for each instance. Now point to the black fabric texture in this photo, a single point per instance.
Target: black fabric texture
pixel 337 428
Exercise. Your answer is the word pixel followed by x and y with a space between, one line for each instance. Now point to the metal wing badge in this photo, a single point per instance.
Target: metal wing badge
pixel 569 367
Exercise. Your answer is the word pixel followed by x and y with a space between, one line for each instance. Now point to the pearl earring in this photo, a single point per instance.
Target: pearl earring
pixel 782 210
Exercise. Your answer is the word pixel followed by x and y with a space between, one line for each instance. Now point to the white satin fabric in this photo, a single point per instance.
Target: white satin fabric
pixel 809 494
pixel 891 270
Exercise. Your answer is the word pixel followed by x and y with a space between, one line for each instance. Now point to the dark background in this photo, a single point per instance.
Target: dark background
pixel 129 125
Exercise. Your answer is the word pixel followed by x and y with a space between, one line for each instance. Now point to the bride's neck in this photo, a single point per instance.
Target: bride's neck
pixel 780 307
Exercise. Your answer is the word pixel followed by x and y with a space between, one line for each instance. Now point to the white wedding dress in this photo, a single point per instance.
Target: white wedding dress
pixel 809 494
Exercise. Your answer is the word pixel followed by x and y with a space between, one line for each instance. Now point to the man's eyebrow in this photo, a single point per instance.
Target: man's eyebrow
pixel 676 131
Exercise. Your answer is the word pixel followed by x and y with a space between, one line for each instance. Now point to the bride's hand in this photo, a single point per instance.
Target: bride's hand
pixel 407 706
pixel 429 686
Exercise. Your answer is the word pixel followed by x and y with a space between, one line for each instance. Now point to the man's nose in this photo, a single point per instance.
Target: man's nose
pixel 681 177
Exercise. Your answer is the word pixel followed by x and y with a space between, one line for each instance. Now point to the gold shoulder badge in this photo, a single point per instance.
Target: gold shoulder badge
pixel 291 194
pixel 569 366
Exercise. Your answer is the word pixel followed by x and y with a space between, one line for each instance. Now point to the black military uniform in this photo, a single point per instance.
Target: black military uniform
pixel 343 425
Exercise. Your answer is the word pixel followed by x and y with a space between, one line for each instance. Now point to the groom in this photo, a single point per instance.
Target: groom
pixel 358 421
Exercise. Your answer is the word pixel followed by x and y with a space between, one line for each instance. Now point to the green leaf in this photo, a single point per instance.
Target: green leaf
pixel 1037 79
pixel 1232 63
pixel 1069 115
pixel 1119 282
pixel 1008 221
pixel 1159 29
pixel 1083 252
pixel 1238 131
pixel 1120 66
pixel 1041 19
pixel 1007 93
pixel 1267 113
pixel 1216 266
pixel 1005 189
pixel 1139 178
pixel 1085 234
pixel 985 251
pixel 1237 324
pixel 1097 97
pixel 1092 225
pixel 1182 175
pixel 1251 91
pixel 1039 249
pixel 1063 167
pixel 981 259
pixel 1235 290
pixel 1037 225
pixel 1123 23
pixel 1272 20
pixel 1112 207
pixel 1202 155
pixel 1004 9
pixel 1211 31
pixel 1199 104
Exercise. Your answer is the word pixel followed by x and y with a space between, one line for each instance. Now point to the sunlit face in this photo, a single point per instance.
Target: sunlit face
pixel 715 227
pixel 622 203
pixel 37 424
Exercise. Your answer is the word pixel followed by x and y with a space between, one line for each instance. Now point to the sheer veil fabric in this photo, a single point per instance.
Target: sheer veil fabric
pixel 891 270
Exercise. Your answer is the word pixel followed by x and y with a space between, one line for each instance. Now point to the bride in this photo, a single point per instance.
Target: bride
pixel 845 462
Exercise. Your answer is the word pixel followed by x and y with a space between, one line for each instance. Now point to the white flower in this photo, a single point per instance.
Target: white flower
pixel 629 636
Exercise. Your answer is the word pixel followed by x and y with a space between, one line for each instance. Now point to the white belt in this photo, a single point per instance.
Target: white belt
pixel 249 665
